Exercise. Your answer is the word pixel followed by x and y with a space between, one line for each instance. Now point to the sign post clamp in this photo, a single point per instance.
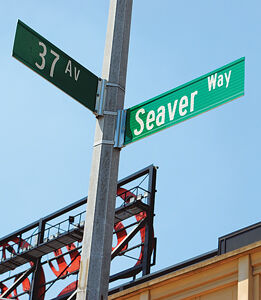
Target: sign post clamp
pixel 120 129
pixel 100 96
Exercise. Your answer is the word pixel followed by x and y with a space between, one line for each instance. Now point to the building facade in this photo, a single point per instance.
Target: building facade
pixel 232 275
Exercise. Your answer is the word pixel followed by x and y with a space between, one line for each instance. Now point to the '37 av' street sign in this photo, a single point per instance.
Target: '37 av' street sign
pixel 186 101
pixel 54 65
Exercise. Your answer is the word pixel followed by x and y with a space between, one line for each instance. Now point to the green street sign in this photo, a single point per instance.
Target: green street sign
pixel 54 65
pixel 186 101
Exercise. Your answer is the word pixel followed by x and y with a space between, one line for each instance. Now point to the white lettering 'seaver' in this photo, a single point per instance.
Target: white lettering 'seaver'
pixel 184 102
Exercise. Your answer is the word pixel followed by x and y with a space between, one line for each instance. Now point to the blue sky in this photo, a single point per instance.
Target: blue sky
pixel 209 166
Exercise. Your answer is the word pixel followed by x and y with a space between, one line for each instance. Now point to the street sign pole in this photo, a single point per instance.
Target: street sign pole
pixel 97 239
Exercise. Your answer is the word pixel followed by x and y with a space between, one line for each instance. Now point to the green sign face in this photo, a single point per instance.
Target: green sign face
pixel 54 65
pixel 186 101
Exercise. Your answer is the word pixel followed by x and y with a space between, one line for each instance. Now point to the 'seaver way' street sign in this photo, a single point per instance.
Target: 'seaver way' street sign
pixel 186 101
pixel 54 65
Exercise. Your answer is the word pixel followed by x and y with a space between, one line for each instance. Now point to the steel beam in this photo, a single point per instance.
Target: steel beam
pixel 17 282
pixel 126 240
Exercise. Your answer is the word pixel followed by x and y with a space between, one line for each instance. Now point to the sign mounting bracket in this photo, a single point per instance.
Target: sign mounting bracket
pixel 120 129
pixel 101 91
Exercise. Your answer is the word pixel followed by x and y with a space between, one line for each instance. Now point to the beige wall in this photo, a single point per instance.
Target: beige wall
pixel 231 276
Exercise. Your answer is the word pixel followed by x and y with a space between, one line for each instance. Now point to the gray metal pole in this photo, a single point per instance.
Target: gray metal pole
pixel 97 240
